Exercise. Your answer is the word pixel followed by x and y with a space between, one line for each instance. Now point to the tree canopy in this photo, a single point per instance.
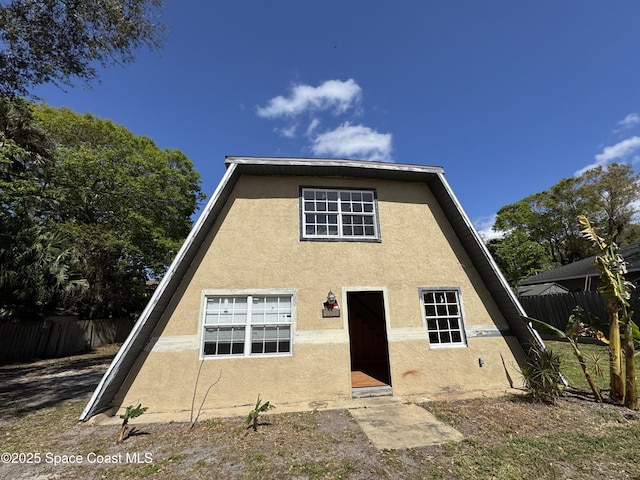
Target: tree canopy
pixel 541 231
pixel 59 41
pixel 112 205
pixel 36 262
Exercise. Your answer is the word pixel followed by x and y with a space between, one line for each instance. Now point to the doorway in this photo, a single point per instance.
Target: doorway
pixel 368 342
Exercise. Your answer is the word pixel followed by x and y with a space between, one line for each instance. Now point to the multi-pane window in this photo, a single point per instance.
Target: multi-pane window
pixel 247 325
pixel 444 317
pixel 340 214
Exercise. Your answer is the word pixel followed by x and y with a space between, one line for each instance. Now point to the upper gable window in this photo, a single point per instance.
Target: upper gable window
pixel 339 214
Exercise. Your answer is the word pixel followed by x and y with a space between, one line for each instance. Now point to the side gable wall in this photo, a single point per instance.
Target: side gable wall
pixel 255 245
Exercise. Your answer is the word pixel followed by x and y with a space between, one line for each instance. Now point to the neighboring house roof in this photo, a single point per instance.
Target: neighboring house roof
pixel 585 268
pixel 541 289
pixel 237 166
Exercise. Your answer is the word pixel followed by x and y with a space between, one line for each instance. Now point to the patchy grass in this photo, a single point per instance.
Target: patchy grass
pixel 505 438
pixel 597 358
pixel 575 439
pixel 32 432
pixel 558 455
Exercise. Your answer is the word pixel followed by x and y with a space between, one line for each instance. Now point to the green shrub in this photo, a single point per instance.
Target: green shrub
pixel 542 374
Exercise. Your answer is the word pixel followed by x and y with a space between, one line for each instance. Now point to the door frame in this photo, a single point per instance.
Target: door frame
pixel 387 324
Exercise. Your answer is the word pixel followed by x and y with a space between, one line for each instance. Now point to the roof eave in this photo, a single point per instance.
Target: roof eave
pixel 166 287
pixel 322 163
pixel 503 295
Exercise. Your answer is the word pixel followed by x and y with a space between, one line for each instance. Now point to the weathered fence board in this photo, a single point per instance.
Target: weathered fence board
pixel 57 337
pixel 555 309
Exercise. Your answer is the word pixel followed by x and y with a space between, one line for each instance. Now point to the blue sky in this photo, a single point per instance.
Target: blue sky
pixel 508 96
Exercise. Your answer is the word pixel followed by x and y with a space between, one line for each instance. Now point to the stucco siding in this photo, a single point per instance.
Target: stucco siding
pixel 255 244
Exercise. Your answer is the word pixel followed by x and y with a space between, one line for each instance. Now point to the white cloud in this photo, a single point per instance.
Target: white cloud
pixel 620 151
pixel 333 95
pixel 288 132
pixel 629 121
pixel 484 227
pixel 315 123
pixel 354 141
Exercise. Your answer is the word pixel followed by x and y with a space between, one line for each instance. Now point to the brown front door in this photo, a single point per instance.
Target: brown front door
pixel 368 339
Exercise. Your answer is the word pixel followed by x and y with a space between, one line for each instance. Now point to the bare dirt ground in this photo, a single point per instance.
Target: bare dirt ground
pixel 507 437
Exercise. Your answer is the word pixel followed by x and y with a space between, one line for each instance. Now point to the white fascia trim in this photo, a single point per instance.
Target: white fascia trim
pixel 492 263
pixel 334 162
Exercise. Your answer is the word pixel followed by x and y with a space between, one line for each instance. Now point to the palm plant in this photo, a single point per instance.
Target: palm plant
pixel 571 333
pixel 37 274
pixel 252 418
pixel 616 292
pixel 542 373
pixel 130 412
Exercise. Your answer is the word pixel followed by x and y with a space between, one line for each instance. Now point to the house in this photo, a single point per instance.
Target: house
pixel 309 280
pixel 580 281
pixel 583 275
pixel 549 288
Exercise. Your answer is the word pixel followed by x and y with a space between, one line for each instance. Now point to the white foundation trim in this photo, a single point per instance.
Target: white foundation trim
pixel 172 343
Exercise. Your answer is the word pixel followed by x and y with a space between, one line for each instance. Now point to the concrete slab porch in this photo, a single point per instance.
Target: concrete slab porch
pixel 388 422
pixel 402 425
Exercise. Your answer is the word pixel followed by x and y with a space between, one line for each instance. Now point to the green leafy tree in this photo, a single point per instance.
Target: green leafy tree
pixel 38 274
pixel 612 194
pixel 26 155
pixel 38 264
pixel 125 203
pixel 58 41
pixel 517 256
pixel 547 219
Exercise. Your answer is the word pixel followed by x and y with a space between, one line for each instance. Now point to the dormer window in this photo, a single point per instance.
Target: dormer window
pixel 339 214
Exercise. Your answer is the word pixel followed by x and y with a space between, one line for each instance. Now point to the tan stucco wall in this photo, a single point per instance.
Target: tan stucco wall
pixel 256 245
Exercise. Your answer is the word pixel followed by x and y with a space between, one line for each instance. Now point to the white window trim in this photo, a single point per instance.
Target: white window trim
pixel 244 292
pixel 341 237
pixel 463 336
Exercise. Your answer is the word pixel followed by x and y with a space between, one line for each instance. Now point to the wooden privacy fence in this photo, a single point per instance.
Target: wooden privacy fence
pixel 58 337
pixel 555 309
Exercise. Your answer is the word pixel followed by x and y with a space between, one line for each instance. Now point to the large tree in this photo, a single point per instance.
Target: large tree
pixel 517 256
pixel 612 193
pixel 89 212
pixel 62 41
pixel 26 154
pixel 37 262
pixel 126 203
pixel 548 219
pixel 39 274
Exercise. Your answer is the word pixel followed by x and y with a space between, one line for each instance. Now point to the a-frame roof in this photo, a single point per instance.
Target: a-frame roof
pixel 586 267
pixel 237 166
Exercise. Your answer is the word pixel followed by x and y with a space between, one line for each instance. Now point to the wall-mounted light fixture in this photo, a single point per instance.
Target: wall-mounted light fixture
pixel 330 307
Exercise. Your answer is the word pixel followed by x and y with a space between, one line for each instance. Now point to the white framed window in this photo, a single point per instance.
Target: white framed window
pixel 443 315
pixel 246 325
pixel 339 214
